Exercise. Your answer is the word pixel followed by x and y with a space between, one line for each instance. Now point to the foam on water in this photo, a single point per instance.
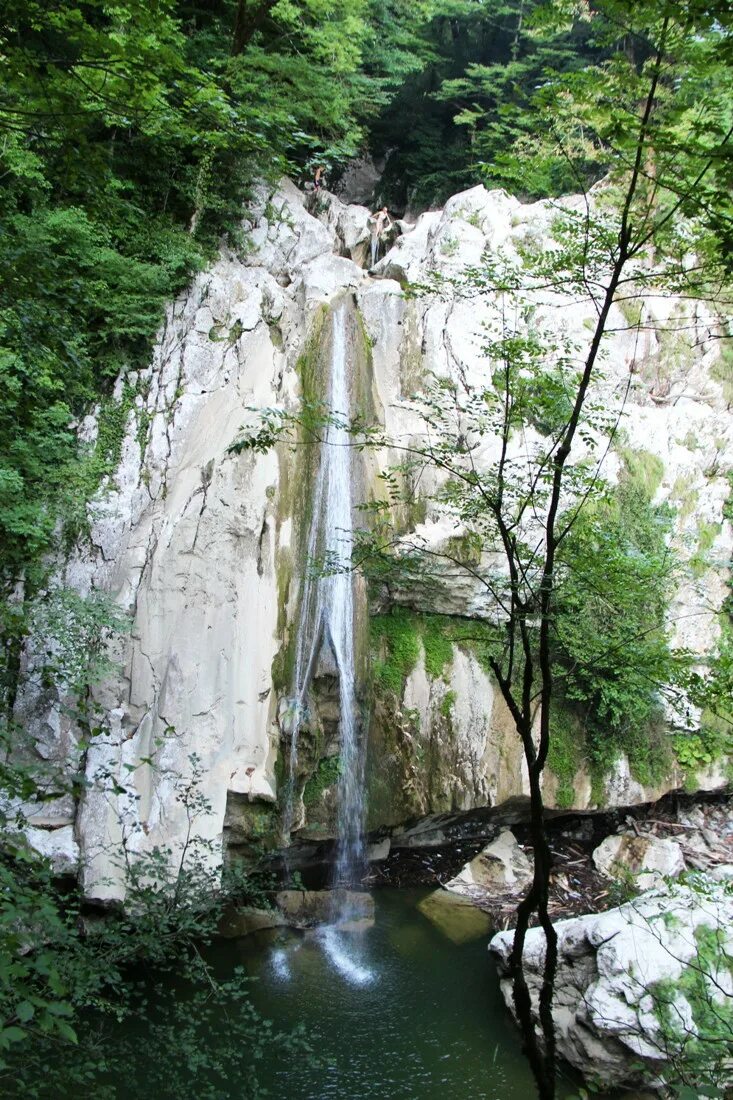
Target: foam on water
pixel 281 964
pixel 340 952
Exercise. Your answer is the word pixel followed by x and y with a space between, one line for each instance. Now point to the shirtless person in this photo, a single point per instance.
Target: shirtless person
pixel 381 223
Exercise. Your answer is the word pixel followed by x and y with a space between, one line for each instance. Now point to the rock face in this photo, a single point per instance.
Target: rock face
pixel 203 545
pixel 635 983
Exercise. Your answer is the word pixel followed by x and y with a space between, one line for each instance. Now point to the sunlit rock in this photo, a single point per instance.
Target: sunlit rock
pixel 501 866
pixel 616 972
pixel 245 920
pixel 303 908
pixel 456 917
pixel 646 859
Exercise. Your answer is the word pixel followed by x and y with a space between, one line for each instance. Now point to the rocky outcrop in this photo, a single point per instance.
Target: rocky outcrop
pixel 201 543
pixel 455 916
pixel 697 839
pixel 647 860
pixel 502 865
pixel 305 908
pixel 636 985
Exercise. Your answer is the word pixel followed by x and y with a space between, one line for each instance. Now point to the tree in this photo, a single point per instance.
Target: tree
pixel 645 117
pixel 538 508
pixel 130 136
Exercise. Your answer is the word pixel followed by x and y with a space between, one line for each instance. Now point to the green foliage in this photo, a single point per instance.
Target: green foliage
pixel 447 703
pixel 131 134
pixel 566 752
pixel 470 101
pixel 437 643
pixel 396 641
pixel 643 469
pixel 722 369
pixel 78 989
pixel 706 533
pixel 699 1054
pixel 610 623
pixel 71 633
pixel 326 775
pixel 580 114
pixel 697 751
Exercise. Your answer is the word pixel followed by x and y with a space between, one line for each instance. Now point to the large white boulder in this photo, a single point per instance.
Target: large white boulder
pixel 623 1005
pixel 502 865
pixel 648 859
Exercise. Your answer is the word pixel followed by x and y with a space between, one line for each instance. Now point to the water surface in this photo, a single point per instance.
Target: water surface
pixel 403 1010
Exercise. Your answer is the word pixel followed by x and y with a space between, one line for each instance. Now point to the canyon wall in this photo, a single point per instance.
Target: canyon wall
pixel 202 545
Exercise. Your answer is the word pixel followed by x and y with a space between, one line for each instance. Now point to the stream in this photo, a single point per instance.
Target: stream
pixel 405 1009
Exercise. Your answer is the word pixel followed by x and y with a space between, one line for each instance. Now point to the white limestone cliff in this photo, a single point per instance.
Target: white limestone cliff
pixel 194 541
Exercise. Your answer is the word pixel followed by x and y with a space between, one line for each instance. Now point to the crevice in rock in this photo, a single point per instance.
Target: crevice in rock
pixel 260 546
pixel 207 472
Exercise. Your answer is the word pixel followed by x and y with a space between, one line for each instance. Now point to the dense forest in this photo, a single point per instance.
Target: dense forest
pixel 132 136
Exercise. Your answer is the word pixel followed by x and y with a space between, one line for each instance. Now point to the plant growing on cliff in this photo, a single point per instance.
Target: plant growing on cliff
pixel 130 136
pixel 574 571
pixel 577 587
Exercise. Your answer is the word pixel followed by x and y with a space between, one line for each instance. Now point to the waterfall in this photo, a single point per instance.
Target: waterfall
pixel 339 615
pixel 327 611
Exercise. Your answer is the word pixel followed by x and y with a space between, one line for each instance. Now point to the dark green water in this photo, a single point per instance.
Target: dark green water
pixel 399 1011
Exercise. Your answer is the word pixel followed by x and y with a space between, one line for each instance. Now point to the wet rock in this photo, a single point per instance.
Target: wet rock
pixel 303 908
pixel 650 859
pixel 455 916
pixel 243 921
pixel 501 865
pixel 379 850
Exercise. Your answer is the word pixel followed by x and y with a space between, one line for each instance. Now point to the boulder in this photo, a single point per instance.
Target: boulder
pixel 650 859
pixel 304 908
pixel 622 972
pixel 379 849
pixel 350 224
pixel 286 237
pixel 405 260
pixel 456 917
pixel 502 865
pixel 242 921
pixel 59 846
pixel 359 180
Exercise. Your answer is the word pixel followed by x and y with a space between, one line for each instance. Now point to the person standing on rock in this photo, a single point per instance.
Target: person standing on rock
pixel 318 178
pixel 381 223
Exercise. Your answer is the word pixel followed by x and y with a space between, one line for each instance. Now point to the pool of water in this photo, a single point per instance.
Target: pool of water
pixel 407 1008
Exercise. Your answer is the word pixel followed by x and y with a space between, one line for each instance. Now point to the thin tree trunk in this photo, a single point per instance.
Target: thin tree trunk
pixel 247 22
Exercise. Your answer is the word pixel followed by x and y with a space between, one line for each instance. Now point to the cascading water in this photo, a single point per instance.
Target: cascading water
pixel 339 611
pixel 326 630
pixel 327 615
